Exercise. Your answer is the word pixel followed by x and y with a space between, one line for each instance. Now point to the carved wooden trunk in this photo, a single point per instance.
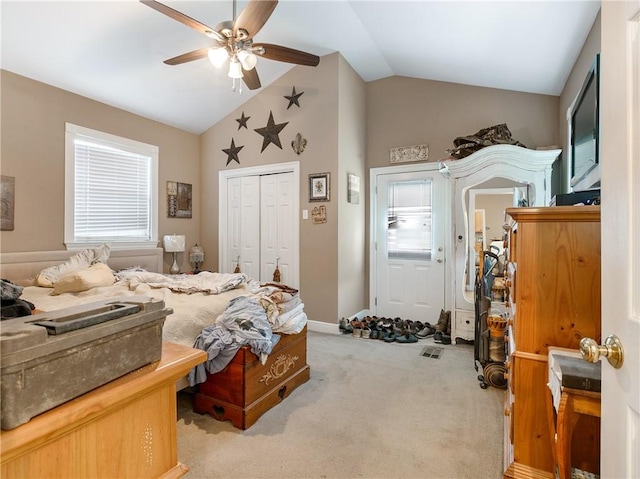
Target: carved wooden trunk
pixel 245 389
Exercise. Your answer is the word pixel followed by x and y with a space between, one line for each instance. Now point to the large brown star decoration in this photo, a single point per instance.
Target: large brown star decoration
pixel 232 152
pixel 242 121
pixel 270 132
pixel 293 98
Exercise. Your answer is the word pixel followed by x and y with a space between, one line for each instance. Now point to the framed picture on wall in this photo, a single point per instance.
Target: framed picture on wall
pixel 319 187
pixel 178 200
pixel 7 199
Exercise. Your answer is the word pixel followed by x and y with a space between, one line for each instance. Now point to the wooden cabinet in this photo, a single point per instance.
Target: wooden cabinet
pixel 554 255
pixel 126 428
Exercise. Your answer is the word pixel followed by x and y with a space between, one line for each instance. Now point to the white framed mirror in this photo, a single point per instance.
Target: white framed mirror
pixel 522 177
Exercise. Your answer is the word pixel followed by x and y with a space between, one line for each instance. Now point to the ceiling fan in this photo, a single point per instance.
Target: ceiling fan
pixel 233 41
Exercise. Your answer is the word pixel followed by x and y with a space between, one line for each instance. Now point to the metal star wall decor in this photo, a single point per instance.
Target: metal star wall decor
pixel 270 132
pixel 242 121
pixel 232 152
pixel 293 98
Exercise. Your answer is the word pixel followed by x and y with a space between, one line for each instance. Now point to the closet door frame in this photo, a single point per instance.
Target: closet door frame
pixel 225 175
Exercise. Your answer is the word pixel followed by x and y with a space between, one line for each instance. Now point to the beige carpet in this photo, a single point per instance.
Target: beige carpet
pixel 370 410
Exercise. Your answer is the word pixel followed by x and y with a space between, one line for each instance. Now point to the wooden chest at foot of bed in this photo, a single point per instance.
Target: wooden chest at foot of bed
pixel 246 389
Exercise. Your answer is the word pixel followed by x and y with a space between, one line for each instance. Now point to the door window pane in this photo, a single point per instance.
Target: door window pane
pixel 409 220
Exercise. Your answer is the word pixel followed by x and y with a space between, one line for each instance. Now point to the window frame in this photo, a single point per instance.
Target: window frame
pixel 72 132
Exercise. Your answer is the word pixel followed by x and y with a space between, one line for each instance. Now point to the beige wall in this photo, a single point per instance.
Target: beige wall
pixel 317 120
pixel 571 88
pixel 32 151
pixel 494 206
pixel 352 275
pixel 407 111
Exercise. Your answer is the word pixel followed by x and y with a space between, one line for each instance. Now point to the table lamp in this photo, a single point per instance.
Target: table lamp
pixel 196 256
pixel 174 244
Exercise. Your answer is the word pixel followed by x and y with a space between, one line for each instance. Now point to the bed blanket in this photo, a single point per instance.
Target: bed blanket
pixel 244 321
pixel 204 282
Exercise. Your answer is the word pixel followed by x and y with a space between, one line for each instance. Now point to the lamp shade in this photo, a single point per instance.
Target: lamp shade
pixel 196 255
pixel 235 69
pixel 217 56
pixel 174 243
pixel 247 59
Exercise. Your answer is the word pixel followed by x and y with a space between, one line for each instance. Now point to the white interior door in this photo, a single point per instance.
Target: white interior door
pixel 409 245
pixel 277 247
pixel 620 220
pixel 243 225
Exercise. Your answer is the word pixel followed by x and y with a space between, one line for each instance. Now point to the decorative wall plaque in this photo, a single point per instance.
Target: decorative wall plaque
pixel 319 215
pixel 406 154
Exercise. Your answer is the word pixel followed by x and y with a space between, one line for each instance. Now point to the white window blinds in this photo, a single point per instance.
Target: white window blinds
pixel 112 194
pixel 113 190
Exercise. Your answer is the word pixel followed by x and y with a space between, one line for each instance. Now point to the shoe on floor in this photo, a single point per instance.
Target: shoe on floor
pixel 426 331
pixel 407 338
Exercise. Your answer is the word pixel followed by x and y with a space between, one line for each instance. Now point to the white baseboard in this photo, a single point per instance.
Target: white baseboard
pixel 322 327
pixel 330 328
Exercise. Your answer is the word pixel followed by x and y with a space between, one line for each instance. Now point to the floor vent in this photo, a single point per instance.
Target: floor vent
pixel 432 352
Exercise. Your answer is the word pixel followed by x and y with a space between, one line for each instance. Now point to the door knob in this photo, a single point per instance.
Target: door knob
pixel 611 349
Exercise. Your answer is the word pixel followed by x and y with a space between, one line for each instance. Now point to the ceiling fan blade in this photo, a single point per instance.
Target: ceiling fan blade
pixel 182 18
pixel 188 57
pixel 254 16
pixel 251 79
pixel 289 55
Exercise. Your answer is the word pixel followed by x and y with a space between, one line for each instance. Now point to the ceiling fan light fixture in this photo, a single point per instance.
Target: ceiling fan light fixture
pixel 235 68
pixel 247 59
pixel 217 56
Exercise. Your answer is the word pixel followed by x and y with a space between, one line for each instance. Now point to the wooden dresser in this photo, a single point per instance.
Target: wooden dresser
pixel 125 429
pixel 553 281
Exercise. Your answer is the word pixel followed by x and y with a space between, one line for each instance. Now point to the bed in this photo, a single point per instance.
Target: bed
pixel 259 374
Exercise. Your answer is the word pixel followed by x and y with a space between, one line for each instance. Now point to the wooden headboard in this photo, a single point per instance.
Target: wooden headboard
pixel 20 267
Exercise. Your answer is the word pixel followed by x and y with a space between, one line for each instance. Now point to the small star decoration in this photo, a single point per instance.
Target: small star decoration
pixel 270 132
pixel 293 99
pixel 232 152
pixel 242 121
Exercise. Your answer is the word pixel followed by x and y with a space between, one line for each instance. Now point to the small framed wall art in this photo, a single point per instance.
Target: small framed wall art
pixel 319 187
pixel 353 189
pixel 178 200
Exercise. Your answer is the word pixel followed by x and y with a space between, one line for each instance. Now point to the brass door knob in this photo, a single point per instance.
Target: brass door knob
pixel 611 349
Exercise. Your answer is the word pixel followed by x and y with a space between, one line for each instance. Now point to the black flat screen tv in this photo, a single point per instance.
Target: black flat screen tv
pixel 584 132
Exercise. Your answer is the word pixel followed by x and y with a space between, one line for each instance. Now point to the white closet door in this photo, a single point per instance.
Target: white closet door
pixel 233 224
pixel 243 224
pixel 277 239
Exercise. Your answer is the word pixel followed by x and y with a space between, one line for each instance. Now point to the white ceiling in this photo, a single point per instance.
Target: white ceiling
pixel 113 51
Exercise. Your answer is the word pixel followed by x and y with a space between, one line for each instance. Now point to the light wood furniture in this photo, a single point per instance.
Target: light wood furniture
pixel 124 429
pixel 573 404
pixel 556 255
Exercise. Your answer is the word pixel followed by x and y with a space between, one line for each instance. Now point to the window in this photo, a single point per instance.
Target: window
pixel 111 192
pixel 409 220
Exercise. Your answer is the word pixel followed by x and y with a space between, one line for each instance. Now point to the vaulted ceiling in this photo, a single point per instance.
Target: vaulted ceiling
pixel 113 51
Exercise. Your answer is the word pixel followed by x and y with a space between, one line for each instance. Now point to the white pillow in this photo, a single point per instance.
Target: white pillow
pixel 49 276
pixel 96 275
